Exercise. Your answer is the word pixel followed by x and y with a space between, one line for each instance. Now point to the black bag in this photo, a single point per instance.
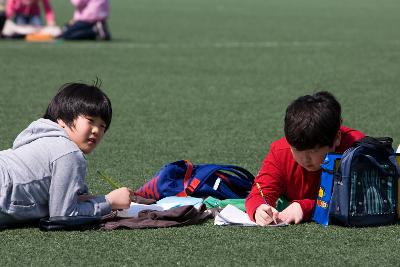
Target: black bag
pixel 70 223
pixel 365 185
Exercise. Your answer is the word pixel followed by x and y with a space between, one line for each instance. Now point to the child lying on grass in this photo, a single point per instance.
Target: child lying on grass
pixel 43 173
pixel 313 127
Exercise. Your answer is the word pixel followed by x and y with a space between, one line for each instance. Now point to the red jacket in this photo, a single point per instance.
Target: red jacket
pixel 281 175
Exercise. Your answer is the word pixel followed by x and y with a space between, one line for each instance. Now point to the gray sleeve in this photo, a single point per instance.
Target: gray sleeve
pixel 67 182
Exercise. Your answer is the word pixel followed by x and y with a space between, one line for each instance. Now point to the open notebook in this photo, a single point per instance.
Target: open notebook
pixel 231 215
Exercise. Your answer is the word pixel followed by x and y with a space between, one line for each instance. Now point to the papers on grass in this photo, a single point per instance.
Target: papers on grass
pixel 135 208
pixel 163 204
pixel 173 202
pixel 231 215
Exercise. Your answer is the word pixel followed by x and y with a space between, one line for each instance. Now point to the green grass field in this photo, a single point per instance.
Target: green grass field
pixel 209 81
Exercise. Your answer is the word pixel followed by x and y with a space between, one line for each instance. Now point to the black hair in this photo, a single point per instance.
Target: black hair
pixel 75 99
pixel 313 121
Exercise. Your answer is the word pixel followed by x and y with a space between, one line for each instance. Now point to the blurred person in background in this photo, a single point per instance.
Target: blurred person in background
pixel 89 21
pixel 27 12
pixel 2 15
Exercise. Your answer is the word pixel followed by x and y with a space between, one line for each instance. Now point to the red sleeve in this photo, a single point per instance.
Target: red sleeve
pixel 349 136
pixel 269 179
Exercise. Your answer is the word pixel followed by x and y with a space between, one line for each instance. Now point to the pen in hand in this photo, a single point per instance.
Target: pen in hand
pixel 265 200
pixel 113 183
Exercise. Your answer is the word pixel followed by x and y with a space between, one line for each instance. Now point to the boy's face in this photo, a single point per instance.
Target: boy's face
pixel 87 132
pixel 311 159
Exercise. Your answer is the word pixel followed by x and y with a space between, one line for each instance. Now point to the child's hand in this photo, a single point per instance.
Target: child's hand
pixel 265 215
pixel 292 214
pixel 120 198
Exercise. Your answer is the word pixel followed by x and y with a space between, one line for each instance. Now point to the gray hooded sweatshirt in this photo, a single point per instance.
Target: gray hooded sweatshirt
pixel 43 175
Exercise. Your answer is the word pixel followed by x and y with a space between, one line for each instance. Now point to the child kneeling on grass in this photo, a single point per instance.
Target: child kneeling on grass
pixel 292 169
pixel 43 173
pixel 89 21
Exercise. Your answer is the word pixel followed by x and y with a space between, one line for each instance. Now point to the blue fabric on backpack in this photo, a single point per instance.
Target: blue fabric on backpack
pixel 329 167
pixel 183 178
pixel 365 186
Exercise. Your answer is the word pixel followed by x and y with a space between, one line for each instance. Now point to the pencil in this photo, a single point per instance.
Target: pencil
pixel 108 179
pixel 113 183
pixel 265 200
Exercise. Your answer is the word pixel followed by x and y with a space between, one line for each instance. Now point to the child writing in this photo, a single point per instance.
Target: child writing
pixel 43 173
pixel 24 12
pixel 89 21
pixel 292 169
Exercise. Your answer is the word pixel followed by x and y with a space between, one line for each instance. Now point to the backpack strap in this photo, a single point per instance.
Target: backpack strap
pixel 188 174
pixel 201 175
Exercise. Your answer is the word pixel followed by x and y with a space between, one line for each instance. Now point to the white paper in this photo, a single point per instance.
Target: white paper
pixel 174 201
pixel 231 215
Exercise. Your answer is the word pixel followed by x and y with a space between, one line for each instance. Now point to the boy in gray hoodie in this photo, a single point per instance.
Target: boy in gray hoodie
pixel 43 173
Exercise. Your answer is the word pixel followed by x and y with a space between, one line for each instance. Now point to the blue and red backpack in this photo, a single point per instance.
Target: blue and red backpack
pixel 183 178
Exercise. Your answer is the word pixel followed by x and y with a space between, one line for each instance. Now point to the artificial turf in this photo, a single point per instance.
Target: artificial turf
pixel 209 81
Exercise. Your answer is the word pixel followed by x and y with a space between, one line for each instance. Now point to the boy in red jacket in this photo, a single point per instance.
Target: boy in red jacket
pixel 292 169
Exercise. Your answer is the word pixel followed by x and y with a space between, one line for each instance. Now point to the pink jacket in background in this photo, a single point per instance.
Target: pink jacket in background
pixel 90 10
pixel 29 8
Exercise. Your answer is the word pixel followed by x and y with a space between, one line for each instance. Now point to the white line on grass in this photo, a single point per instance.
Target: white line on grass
pixel 133 45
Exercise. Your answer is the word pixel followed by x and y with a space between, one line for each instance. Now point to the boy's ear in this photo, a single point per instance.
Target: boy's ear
pixel 338 139
pixel 61 123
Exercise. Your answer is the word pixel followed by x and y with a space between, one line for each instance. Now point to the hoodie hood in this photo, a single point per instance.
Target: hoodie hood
pixel 39 129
